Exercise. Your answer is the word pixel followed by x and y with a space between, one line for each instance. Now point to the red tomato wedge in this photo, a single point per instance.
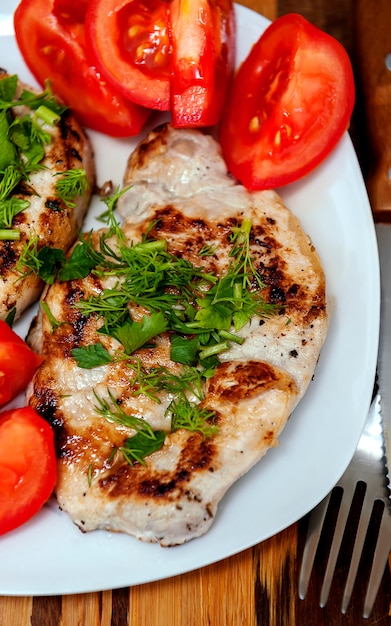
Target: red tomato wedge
pixel 176 54
pixel 17 364
pixel 27 466
pixel 131 44
pixel 51 37
pixel 290 102
pixel 9 335
pixel 203 58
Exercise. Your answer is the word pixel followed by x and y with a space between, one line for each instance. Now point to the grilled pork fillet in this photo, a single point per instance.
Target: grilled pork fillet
pixel 180 183
pixel 47 217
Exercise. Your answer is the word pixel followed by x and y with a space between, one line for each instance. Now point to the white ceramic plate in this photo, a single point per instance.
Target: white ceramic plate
pixel 49 555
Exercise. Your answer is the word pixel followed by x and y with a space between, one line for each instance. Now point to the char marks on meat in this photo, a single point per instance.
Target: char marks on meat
pixel 178 181
pixel 47 217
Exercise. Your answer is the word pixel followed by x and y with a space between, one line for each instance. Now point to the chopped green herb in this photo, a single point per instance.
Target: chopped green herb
pixel 7 90
pixel 9 234
pixel 185 350
pixel 53 322
pixel 91 356
pixel 142 444
pixel 9 208
pixel 156 379
pixel 191 417
pixel 90 474
pixel 72 185
pixel 22 139
pixel 11 317
pixel 208 250
pixel 43 262
pixel 133 335
pixel 82 260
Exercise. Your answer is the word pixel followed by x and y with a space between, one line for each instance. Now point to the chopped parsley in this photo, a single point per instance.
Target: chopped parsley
pixel 201 313
pixel 182 412
pixel 23 140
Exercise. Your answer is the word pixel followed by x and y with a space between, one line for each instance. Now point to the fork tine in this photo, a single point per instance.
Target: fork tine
pixel 367 467
pixel 382 550
pixel 340 526
pixel 314 531
pixel 359 541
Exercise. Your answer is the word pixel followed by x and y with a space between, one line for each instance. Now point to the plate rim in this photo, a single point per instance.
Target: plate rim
pixel 242 13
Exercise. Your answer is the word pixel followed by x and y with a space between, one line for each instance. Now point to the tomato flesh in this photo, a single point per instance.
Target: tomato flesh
pixel 17 364
pixel 141 44
pixel 289 105
pixel 51 37
pixel 177 55
pixel 130 42
pixel 27 466
pixel 203 60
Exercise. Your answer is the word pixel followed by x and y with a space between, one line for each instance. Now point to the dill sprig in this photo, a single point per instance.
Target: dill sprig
pixel 23 140
pixel 140 445
pixel 72 184
pixel 183 413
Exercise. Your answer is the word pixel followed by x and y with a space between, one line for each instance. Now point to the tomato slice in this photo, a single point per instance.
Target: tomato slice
pixel 175 54
pixel 27 466
pixel 17 363
pixel 130 40
pixel 9 335
pixel 203 51
pixel 290 102
pixel 51 37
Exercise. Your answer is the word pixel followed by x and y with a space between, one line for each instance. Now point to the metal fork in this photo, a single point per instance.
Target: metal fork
pixel 367 467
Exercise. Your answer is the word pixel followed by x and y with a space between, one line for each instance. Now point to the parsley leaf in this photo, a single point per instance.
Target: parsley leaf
pixel 142 444
pixel 9 208
pixel 50 259
pixel 133 335
pixel 91 356
pixel 184 350
pixel 82 260
pixel 8 152
pixel 22 141
pixel 8 89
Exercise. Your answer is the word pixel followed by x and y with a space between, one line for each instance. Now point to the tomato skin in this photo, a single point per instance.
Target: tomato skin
pixel 9 335
pixel 51 37
pixel 203 35
pixel 188 58
pixel 17 363
pixel 290 102
pixel 106 24
pixel 27 466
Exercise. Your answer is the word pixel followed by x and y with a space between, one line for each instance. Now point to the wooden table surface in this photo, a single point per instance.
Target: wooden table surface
pixel 258 586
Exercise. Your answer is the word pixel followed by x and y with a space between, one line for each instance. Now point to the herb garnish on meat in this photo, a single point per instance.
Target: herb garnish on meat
pixel 201 312
pixel 23 140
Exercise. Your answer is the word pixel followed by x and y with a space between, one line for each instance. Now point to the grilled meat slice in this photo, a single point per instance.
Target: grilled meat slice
pixel 47 217
pixel 179 184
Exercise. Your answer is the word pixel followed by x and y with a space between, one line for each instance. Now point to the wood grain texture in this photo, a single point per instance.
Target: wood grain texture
pixel 373 34
pixel 268 8
pixel 257 587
